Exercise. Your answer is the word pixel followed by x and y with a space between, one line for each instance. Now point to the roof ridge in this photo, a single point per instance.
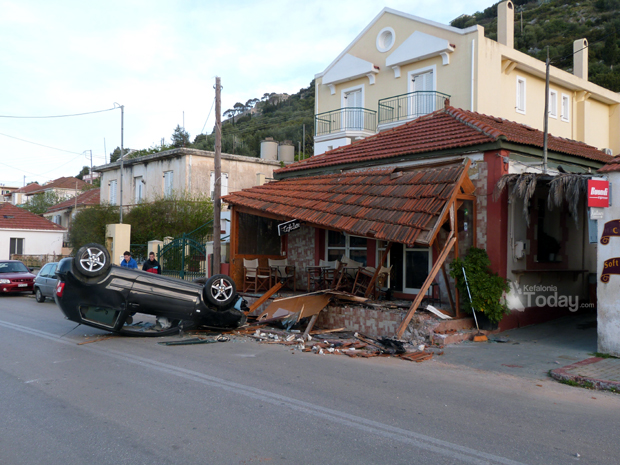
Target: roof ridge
pixel 467 118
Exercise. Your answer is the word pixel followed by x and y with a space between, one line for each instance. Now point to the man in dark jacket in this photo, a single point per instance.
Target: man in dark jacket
pixel 152 265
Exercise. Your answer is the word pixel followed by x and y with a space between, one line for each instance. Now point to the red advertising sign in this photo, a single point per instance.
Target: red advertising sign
pixel 598 193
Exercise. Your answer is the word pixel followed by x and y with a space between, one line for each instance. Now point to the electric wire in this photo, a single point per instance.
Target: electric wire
pixel 208 116
pixel 41 145
pixel 57 116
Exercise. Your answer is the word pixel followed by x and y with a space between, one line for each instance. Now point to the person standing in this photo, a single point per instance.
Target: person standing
pixel 129 262
pixel 152 265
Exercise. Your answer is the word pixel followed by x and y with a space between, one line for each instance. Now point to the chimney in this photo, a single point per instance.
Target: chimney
pixel 506 24
pixel 580 58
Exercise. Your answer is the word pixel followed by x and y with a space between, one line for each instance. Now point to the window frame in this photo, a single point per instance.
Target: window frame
pixel 553 105
pixel 138 184
pixel 112 191
pixel 565 110
pixel 521 95
pixel 17 244
pixel 168 183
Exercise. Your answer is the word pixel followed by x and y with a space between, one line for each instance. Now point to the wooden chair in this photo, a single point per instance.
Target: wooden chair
pixel 280 270
pixel 345 274
pixel 255 276
pixel 322 276
pixel 364 277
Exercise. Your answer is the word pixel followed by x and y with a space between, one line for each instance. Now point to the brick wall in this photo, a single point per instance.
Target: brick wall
pixel 301 253
pixel 370 321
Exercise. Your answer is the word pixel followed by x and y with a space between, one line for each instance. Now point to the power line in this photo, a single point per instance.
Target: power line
pixel 41 145
pixel 208 116
pixel 56 116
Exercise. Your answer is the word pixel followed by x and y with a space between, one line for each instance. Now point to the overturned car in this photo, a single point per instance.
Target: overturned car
pixel 94 292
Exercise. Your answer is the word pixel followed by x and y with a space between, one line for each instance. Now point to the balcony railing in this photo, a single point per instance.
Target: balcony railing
pixel 410 106
pixel 345 119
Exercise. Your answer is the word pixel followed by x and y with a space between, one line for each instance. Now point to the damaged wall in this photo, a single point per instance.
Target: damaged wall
pixel 608 294
pixel 301 250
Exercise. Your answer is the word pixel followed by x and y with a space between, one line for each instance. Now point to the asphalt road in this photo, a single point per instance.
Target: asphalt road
pixel 132 401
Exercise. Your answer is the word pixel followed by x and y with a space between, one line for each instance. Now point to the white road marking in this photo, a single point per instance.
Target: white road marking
pixel 437 446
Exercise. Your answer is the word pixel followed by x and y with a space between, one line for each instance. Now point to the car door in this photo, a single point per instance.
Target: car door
pixel 41 279
pixel 50 280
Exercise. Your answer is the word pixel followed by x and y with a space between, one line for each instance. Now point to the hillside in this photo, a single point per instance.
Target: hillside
pixel 558 24
pixel 282 119
pixel 538 24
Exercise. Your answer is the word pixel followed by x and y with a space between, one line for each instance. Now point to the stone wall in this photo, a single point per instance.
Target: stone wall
pixel 369 321
pixel 301 245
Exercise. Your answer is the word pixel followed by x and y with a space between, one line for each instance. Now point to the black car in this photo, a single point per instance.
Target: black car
pixel 94 292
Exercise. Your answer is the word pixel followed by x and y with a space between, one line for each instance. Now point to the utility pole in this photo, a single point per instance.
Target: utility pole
pixel 91 166
pixel 303 144
pixel 546 121
pixel 217 206
pixel 122 107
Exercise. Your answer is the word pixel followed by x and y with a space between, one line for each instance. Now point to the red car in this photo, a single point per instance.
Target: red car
pixel 15 277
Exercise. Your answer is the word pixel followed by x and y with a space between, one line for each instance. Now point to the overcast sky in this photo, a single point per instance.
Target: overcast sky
pixel 159 59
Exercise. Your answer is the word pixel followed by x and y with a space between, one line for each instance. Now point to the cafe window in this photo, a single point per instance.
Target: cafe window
pixel 354 247
pixel 259 235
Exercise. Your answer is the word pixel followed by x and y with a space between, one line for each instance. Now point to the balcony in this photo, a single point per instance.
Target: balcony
pixel 394 111
pixel 350 122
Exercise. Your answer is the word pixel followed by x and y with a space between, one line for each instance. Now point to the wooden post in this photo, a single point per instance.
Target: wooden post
pixel 371 286
pixel 217 204
pixel 418 300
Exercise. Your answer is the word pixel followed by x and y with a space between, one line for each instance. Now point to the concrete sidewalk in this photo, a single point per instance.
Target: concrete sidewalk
pixel 563 348
pixel 594 372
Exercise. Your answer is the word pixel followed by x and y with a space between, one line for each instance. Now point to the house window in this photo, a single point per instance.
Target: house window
pixel 520 95
pixel 354 247
pixel 57 219
pixel 565 107
pixel 113 192
pixel 353 104
pixel 223 185
pixel 553 104
pixel 168 177
pixel 421 92
pixel 16 246
pixel 139 188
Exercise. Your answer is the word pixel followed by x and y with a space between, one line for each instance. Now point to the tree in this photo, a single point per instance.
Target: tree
pixel 116 155
pixel 89 225
pixel 180 137
pixel 155 220
pixel 39 203
pixel 84 172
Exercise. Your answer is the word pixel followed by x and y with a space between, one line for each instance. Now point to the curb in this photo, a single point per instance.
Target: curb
pixel 561 374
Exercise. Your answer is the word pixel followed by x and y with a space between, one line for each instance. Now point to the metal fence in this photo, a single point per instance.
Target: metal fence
pixel 185 257
pixel 409 106
pixel 354 119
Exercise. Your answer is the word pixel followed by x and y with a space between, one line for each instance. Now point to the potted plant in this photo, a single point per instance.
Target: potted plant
pixel 487 288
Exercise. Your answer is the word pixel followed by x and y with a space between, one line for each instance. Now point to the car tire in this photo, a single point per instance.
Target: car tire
pixel 39 295
pixel 91 260
pixel 220 291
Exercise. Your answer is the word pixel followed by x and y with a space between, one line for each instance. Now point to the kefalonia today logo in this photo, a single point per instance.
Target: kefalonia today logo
pixel 521 297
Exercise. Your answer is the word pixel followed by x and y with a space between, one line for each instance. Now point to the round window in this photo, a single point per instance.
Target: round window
pixel 385 39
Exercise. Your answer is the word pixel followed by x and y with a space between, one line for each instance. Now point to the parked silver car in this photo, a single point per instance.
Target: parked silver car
pixel 45 282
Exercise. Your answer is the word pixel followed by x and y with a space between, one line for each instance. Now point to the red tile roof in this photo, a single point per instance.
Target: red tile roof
pixel 613 165
pixel 29 188
pixel 12 217
pixel 90 197
pixel 68 182
pixel 391 204
pixel 449 128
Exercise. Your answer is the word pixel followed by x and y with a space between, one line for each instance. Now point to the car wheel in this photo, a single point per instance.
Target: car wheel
pixel 220 291
pixel 39 295
pixel 92 260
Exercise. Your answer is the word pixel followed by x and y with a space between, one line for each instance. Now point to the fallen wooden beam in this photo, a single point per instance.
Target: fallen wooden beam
pixel 265 296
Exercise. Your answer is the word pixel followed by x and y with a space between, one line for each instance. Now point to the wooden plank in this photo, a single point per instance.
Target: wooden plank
pixel 371 286
pixel 310 325
pixel 418 300
pixel 265 296
pixel 445 277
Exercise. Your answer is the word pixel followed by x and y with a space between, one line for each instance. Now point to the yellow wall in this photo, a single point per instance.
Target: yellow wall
pixel 595 122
